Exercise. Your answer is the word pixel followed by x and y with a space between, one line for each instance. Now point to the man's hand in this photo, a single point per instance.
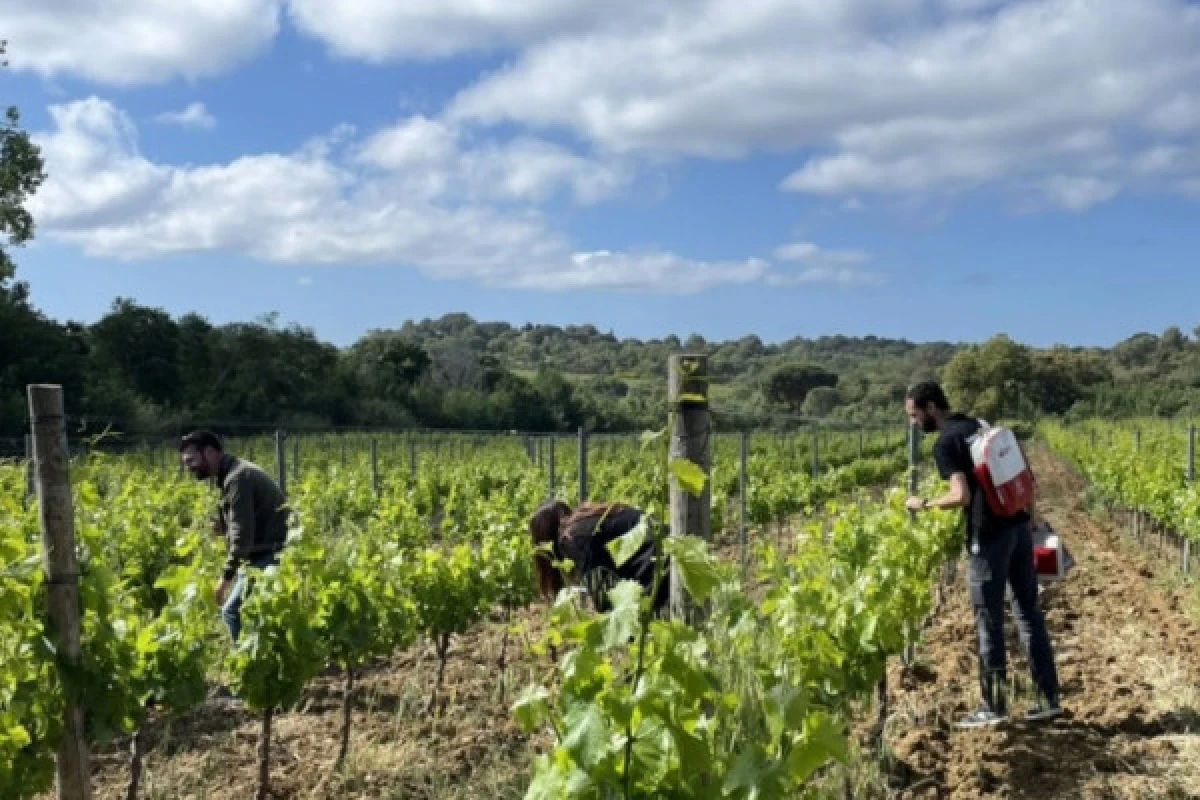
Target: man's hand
pixel 915 503
pixel 222 590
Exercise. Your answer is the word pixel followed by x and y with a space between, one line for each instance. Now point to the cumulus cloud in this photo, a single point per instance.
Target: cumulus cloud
pixel 376 30
pixel 816 264
pixel 127 42
pixel 809 252
pixel 431 158
pixel 345 199
pixel 875 97
pixel 883 96
pixel 194 116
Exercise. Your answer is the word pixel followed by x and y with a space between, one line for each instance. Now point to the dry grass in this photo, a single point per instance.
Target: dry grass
pixel 470 747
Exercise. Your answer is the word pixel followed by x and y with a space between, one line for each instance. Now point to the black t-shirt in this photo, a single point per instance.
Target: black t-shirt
pixel 585 541
pixel 952 453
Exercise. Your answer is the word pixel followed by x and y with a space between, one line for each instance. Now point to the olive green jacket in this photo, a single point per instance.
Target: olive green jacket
pixel 253 512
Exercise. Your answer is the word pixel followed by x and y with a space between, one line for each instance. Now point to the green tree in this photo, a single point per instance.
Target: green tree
pixel 789 385
pixel 32 347
pixel 822 400
pixel 21 173
pixel 989 379
pixel 138 347
pixel 388 365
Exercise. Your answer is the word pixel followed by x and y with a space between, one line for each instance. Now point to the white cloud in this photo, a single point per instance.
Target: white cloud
pixel 415 142
pixel 811 253
pixel 333 202
pixel 377 30
pixel 910 97
pixel 653 270
pixel 432 159
pixel 194 116
pixel 127 42
pixel 1077 193
pixel 827 274
pixel 821 265
pixel 897 96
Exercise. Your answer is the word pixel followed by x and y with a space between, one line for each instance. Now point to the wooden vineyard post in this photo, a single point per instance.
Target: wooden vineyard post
pixel 914 454
pixel 691 429
pixel 914 482
pixel 583 464
pixel 550 465
pixel 374 465
pixel 742 484
pixel 30 474
pixel 57 519
pixel 1191 477
pixel 296 459
pixel 816 452
pixel 280 462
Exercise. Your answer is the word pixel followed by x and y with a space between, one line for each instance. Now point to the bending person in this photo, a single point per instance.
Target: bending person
pixel 582 535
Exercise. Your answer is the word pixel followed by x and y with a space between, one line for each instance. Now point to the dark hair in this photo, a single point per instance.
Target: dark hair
pixel 926 392
pixel 200 440
pixel 544 526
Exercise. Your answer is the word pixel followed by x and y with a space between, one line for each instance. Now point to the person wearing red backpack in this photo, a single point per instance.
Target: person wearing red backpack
pixel 1000 555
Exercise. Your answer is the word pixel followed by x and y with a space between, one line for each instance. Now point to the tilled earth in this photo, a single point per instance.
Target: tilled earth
pixel 1127 646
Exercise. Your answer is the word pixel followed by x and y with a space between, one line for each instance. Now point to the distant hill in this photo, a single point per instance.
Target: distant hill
pixel 142 370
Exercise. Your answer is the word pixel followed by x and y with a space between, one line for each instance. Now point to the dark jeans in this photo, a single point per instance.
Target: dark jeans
pixel 1007 558
pixel 231 612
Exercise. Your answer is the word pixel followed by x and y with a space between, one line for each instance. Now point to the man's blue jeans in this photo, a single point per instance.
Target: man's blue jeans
pixel 231 612
pixel 1007 558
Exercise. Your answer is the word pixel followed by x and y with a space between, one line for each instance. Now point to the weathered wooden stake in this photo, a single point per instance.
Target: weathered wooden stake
pixel 374 465
pixel 30 478
pixel 550 465
pixel 691 430
pixel 742 484
pixel 816 453
pixel 1191 476
pixel 56 516
pixel 583 459
pixel 280 462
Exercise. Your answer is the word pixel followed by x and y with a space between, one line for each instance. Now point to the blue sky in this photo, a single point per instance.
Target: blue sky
pixel 929 169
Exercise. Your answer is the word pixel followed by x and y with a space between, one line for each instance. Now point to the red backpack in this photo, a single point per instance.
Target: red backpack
pixel 1001 469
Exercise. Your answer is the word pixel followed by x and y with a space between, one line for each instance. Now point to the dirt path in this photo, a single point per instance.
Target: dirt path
pixel 1127 645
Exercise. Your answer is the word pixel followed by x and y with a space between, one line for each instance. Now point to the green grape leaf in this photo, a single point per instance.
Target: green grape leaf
pixel 587 736
pixel 531 707
pixel 689 475
pixel 624 546
pixel 696 566
pixel 621 622
pixel 822 740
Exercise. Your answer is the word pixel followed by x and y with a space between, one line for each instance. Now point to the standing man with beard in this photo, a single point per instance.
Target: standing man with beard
pixel 252 514
pixel 1000 554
